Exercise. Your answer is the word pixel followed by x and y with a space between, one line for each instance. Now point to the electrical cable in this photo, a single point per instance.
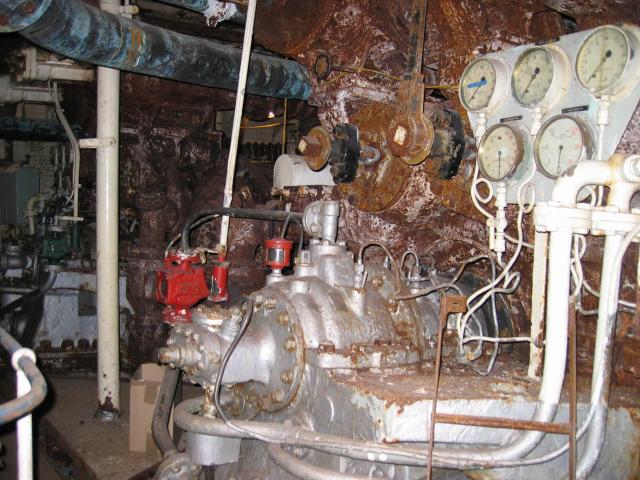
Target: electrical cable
pixel 223 366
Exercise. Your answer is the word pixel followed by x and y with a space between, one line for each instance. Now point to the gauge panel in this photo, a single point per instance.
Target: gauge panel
pixel 500 152
pixel 556 94
pixel 562 142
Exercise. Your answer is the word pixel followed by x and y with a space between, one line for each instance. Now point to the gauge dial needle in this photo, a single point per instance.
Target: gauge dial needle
pixel 499 162
pixel 477 85
pixel 559 155
pixel 533 77
pixel 606 55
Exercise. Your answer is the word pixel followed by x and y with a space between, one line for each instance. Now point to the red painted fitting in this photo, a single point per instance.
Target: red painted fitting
pixel 180 285
pixel 220 276
pixel 278 255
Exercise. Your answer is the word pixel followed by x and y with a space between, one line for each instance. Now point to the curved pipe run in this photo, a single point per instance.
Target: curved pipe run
pixel 305 470
pixel 29 297
pixel 24 404
pixel 77 30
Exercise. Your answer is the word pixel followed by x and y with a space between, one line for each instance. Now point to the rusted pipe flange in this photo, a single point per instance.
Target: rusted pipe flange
pixel 315 146
pixel 410 137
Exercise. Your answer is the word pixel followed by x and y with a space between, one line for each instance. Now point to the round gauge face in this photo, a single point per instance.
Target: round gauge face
pixel 602 59
pixel 478 84
pixel 532 76
pixel 500 152
pixel 561 143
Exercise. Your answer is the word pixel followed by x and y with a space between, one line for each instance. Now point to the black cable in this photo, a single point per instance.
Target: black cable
pixel 251 213
pixel 225 359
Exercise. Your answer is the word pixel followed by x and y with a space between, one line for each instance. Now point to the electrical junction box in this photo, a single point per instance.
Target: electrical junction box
pixel 16 188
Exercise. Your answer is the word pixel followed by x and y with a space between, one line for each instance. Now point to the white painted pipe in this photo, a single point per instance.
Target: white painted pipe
pixel 24 427
pixel 620 195
pixel 107 237
pixel 237 119
pixel 538 301
pixel 556 327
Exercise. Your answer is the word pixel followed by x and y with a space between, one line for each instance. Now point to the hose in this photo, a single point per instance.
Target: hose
pixel 30 297
pixel 252 213
pixel 162 412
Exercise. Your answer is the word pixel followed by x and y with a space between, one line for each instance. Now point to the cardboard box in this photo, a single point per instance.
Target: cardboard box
pixel 145 386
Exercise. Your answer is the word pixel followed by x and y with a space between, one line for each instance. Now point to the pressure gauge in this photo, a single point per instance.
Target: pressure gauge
pixel 500 151
pixel 482 84
pixel 603 61
pixel 540 74
pixel 561 143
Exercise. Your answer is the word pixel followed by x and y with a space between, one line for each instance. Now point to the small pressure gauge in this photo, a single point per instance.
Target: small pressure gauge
pixel 603 62
pixel 540 74
pixel 500 152
pixel 561 143
pixel 482 84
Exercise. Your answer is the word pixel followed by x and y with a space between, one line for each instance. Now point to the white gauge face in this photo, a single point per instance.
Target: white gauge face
pixel 477 85
pixel 602 59
pixel 500 152
pixel 532 76
pixel 560 144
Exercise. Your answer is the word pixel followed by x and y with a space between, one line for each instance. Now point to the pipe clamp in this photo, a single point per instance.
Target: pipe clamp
pixel 553 216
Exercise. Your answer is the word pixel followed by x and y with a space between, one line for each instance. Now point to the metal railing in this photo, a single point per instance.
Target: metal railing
pixel 31 391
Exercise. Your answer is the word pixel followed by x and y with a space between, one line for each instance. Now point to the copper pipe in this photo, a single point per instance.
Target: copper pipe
pixel 501 422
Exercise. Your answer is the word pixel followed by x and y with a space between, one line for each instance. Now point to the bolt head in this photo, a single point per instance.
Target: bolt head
pixel 286 376
pixel 277 395
pixel 283 319
pixel 290 344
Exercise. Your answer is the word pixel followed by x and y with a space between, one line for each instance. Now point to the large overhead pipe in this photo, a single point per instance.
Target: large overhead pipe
pixel 82 32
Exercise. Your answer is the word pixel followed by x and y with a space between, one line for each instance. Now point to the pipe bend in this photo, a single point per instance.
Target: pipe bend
pixel 23 405
pixel 305 470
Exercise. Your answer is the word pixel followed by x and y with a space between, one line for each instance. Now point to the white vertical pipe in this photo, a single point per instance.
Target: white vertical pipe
pixel 538 301
pixel 107 236
pixel 24 425
pixel 237 118
pixel 24 433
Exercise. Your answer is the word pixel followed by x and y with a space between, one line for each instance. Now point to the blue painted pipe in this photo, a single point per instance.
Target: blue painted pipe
pixel 85 33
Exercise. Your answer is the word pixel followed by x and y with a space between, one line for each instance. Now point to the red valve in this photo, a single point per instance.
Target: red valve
pixel 278 253
pixel 180 285
pixel 220 275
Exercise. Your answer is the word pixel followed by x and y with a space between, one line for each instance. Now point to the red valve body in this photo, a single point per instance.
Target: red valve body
pixel 278 253
pixel 180 284
pixel 220 275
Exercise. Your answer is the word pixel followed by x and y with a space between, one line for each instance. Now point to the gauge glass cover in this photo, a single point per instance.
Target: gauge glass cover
pixel 560 144
pixel 500 152
pixel 532 76
pixel 602 59
pixel 478 84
